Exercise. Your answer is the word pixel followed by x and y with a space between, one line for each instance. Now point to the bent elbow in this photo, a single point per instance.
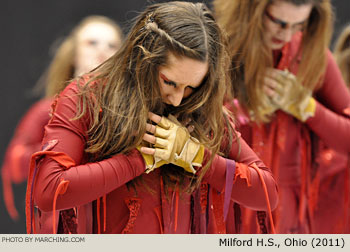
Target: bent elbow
pixel 43 201
pixel 270 195
pixel 273 197
pixel 44 194
pixel 270 191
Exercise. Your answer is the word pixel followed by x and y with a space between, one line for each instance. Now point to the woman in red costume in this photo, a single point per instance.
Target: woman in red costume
pixel 339 214
pixel 91 42
pixel 331 190
pixel 104 168
pixel 290 99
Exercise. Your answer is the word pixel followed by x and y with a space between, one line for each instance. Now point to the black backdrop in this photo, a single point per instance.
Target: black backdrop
pixel 29 28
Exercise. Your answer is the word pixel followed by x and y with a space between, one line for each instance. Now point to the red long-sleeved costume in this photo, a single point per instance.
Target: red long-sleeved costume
pixel 298 155
pixel 26 140
pixel 64 171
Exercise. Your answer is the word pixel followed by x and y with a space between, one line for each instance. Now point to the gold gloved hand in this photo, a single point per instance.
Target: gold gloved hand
pixel 174 145
pixel 267 106
pixel 292 97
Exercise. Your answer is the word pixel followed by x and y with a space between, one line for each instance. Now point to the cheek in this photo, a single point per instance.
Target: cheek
pixel 79 56
pixel 110 52
pixel 164 90
pixel 269 31
pixel 268 38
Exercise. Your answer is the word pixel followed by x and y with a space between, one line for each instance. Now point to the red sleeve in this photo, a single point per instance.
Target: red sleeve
pixel 331 121
pixel 26 140
pixel 87 181
pixel 247 189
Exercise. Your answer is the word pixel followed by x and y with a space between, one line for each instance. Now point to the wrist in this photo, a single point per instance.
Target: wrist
pixel 136 161
pixel 309 110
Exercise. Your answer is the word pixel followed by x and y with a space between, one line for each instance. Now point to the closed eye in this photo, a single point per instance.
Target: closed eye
pixel 170 83
pixel 112 46
pixel 92 42
pixel 192 88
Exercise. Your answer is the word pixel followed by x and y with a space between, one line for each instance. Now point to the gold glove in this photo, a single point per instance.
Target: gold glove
pixel 292 97
pixel 267 106
pixel 174 145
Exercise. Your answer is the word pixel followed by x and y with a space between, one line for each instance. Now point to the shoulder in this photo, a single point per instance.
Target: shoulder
pixel 76 85
pixel 43 105
pixel 332 71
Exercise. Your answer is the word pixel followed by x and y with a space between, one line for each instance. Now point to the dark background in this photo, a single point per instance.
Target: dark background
pixel 28 30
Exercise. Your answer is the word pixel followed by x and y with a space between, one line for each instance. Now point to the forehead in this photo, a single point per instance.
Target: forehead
pixel 289 12
pixel 97 30
pixel 184 70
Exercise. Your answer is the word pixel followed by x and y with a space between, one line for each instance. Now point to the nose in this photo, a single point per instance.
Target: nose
pixel 176 97
pixel 287 35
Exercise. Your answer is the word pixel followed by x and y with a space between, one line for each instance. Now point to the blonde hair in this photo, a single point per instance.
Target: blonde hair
pixel 61 69
pixel 243 22
pixel 342 53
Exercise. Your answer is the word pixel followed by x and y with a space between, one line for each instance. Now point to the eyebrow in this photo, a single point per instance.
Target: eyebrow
pixel 172 82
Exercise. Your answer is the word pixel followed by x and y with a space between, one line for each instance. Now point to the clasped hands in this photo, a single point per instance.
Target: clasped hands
pixel 283 91
pixel 172 143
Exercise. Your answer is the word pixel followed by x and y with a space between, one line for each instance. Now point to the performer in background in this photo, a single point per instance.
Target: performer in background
pixel 290 97
pixel 91 42
pixel 331 189
pixel 142 144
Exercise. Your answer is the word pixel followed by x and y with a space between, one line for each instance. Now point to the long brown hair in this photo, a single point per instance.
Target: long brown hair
pixel 342 53
pixel 129 80
pixel 62 68
pixel 243 22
